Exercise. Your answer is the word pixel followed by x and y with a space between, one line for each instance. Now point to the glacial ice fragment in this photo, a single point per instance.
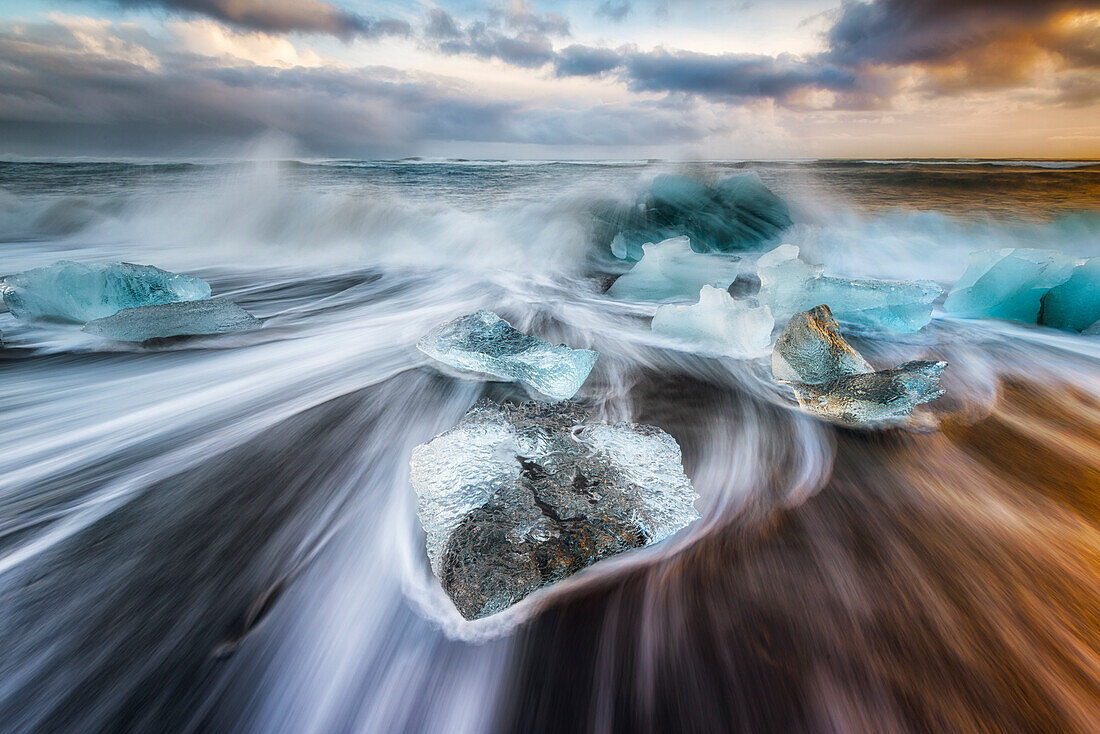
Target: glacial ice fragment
pixel 671 269
pixel 516 497
pixel 1007 283
pixel 484 343
pixel 717 324
pixel 1075 304
pixel 811 350
pixel 878 398
pixel 789 285
pixel 833 381
pixel 737 213
pixel 186 318
pixel 74 292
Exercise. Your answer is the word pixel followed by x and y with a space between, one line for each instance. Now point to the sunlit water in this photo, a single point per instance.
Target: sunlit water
pixel 218 533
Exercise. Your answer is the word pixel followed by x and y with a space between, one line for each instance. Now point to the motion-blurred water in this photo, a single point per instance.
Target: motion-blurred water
pixel 218 534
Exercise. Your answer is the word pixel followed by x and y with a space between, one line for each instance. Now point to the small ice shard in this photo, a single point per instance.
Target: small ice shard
pixel 737 213
pixel 671 269
pixel 74 292
pixel 187 318
pixel 718 325
pixel 1008 283
pixel 882 398
pixel 811 350
pixel 833 381
pixel 516 497
pixel 486 344
pixel 1074 304
pixel 789 285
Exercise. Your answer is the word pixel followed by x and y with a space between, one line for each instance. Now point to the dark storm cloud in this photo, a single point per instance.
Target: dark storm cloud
pixel 59 88
pixel 579 60
pixel 518 36
pixel 282 16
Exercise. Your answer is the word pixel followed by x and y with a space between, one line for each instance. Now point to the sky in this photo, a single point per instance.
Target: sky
pixel 684 79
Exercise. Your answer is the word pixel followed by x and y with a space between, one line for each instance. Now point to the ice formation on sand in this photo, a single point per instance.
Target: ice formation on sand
pixel 187 318
pixel 74 292
pixel 671 269
pixel 718 325
pixel 811 350
pixel 833 381
pixel 737 213
pixel 486 344
pixel 789 285
pixel 516 497
pixel 1008 283
pixel 1075 304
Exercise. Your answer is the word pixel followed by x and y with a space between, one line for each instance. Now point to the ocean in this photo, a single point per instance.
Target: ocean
pixel 218 534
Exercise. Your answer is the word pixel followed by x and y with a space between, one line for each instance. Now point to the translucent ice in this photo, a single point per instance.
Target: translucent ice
pixel 717 324
pixel 833 381
pixel 1008 283
pixel 811 350
pixel 69 291
pixel 187 318
pixel 737 213
pixel 486 344
pixel 874 399
pixel 789 285
pixel 1074 304
pixel 516 497
pixel 671 269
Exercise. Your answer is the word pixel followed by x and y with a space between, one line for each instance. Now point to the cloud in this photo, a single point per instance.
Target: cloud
pixel 94 84
pixel 282 16
pixel 577 60
pixel 517 36
pixel 616 10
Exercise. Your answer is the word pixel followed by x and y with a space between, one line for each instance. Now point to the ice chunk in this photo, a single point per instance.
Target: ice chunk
pixel 486 344
pixel 789 285
pixel 1074 304
pixel 811 350
pixel 187 318
pixel 737 213
pixel 833 381
pixel 882 398
pixel 718 325
pixel 516 497
pixel 671 269
pixel 1008 283
pixel 69 291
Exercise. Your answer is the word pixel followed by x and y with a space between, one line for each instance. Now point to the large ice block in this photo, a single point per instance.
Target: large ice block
pixel 812 350
pixel 516 497
pixel 671 269
pixel 833 381
pixel 1075 304
pixel 882 398
pixel 74 292
pixel 789 285
pixel 717 325
pixel 1008 283
pixel 187 318
pixel 486 344
pixel 737 213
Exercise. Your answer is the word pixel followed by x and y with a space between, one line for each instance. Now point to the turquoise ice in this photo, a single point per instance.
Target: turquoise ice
pixel 737 213
pixel 1075 304
pixel 78 293
pixel 483 343
pixel 1008 283
pixel 186 318
pixel 790 285
pixel 671 269
pixel 717 325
